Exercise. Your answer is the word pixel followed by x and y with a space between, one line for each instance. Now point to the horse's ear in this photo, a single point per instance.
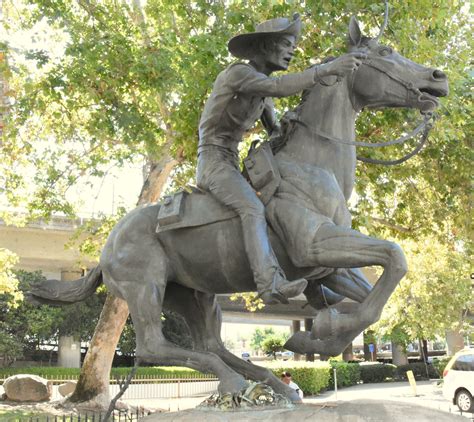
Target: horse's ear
pixel 355 35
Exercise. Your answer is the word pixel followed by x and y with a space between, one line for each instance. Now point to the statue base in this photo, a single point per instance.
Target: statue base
pixel 354 411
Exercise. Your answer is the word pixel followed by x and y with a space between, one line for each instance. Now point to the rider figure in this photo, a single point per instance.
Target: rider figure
pixel 241 95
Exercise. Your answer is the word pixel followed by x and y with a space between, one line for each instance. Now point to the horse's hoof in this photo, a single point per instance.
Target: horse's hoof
pixel 301 343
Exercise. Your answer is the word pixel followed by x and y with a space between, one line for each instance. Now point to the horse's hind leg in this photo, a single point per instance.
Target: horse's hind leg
pixel 145 302
pixel 203 317
pixel 152 347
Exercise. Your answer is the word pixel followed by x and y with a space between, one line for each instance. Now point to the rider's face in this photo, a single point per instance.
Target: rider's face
pixel 280 52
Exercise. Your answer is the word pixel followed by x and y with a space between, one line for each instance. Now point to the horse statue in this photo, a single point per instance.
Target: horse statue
pixel 186 263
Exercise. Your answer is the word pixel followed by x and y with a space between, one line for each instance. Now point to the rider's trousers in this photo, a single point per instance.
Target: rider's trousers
pixel 218 172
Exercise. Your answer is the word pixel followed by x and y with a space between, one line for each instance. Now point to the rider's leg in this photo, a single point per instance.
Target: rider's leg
pixel 218 173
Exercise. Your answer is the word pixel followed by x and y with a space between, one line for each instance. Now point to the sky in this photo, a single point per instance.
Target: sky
pixel 119 187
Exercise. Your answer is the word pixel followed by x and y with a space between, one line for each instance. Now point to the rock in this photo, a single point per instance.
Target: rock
pixel 67 388
pixel 122 406
pixel 24 387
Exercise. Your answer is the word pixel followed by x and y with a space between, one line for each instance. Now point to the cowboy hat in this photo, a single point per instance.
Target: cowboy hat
pixel 245 46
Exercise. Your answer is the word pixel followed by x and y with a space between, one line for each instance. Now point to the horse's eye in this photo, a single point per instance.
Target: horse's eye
pixel 385 51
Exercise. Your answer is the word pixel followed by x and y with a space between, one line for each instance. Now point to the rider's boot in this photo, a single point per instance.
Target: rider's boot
pixel 282 289
pixel 272 285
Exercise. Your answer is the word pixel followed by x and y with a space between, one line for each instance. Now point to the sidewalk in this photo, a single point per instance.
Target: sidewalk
pixel 428 395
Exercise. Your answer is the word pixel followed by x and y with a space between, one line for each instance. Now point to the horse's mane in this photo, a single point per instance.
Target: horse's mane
pixel 289 119
pixel 306 92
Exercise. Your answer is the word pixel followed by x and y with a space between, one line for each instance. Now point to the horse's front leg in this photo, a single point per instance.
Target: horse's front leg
pixel 340 247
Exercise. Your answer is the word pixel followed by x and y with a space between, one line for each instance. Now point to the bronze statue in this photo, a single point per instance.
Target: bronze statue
pixel 240 96
pixel 199 250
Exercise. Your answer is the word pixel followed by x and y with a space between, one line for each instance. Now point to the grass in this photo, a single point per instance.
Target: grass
pixel 27 416
pixel 19 415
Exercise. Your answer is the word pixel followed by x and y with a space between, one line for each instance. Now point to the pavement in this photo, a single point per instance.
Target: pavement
pixel 428 396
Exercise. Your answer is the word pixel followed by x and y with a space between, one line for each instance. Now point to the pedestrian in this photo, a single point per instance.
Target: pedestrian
pixel 286 378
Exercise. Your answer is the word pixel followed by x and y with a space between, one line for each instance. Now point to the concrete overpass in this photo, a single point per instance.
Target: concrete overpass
pixel 42 246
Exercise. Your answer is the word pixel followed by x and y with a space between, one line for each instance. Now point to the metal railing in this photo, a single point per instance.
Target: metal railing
pixel 149 387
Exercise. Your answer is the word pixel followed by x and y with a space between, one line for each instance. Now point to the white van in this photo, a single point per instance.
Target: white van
pixel 458 378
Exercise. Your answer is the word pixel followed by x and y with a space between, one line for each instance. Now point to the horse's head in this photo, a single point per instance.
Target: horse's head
pixel 387 79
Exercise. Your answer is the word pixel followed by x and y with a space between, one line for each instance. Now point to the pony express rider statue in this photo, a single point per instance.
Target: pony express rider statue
pixel 241 95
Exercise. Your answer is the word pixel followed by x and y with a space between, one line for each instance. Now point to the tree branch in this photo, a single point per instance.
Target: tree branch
pixel 392 226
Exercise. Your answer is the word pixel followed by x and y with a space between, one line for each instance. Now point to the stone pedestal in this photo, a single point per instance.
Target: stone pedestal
pixel 296 327
pixel 308 324
pixel 355 410
pixel 69 352
pixel 69 348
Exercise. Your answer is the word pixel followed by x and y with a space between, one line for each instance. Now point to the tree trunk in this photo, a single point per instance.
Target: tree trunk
pixel 369 338
pixel 348 354
pixel 454 341
pixel 93 383
pixel 399 354
pixel 423 343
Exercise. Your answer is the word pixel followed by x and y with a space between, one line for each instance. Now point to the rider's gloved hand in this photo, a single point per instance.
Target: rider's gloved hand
pixel 341 66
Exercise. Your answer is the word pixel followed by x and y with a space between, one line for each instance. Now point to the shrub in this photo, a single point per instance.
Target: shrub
pixel 440 364
pixel 419 371
pixel 347 374
pixel 376 372
pixel 52 372
pixel 311 378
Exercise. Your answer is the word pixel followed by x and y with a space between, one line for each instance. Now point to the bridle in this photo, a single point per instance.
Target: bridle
pixel 424 126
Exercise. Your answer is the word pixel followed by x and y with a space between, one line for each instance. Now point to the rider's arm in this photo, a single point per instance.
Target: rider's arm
pixel 245 79
pixel 269 120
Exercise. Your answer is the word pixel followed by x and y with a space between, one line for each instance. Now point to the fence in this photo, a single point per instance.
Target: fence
pixel 151 387
pixel 127 416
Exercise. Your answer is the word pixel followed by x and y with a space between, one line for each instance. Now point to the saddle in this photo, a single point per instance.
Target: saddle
pixel 198 207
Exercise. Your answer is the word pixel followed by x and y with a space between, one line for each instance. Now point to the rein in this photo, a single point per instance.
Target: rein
pixel 424 126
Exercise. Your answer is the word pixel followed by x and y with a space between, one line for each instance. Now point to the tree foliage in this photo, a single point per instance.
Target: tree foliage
pixel 112 82
pixel 25 327
pixel 259 336
pixel 273 344
pixel 132 81
pixel 434 296
pixel 8 280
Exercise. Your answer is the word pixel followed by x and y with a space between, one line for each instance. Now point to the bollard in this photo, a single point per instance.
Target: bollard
pixel 335 381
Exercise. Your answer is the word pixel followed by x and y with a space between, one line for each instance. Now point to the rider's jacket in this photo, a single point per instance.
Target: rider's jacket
pixel 238 99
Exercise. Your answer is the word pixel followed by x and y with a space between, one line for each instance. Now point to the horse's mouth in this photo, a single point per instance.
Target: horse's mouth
pixel 427 99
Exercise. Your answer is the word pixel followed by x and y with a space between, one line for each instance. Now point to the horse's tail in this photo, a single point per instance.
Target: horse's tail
pixel 54 292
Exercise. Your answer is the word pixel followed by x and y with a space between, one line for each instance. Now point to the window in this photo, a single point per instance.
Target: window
pixel 464 363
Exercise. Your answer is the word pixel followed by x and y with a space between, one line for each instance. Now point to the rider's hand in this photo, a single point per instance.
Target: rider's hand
pixel 342 65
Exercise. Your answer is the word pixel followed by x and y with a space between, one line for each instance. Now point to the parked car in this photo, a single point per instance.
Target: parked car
pixel 458 378
pixel 246 356
pixel 284 355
